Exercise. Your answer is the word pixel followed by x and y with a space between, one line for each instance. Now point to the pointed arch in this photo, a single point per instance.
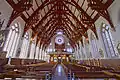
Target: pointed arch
pixel 94 47
pixel 107 40
pixel 32 48
pixel 37 50
pixel 12 39
pixel 25 46
pixel 85 48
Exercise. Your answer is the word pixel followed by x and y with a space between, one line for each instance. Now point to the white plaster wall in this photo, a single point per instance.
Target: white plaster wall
pixel 80 52
pixel 33 48
pixel 37 50
pixel 22 44
pixel 84 54
pixel 30 35
pixel 6 11
pixel 89 34
pixel 94 55
pixel 114 11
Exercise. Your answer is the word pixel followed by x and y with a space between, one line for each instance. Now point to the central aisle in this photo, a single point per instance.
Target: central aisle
pixel 59 73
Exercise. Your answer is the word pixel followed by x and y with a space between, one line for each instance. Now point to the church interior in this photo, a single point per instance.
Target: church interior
pixel 59 40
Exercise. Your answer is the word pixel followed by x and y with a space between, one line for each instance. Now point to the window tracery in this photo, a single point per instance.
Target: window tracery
pixel 25 46
pixel 94 46
pixel 13 37
pixel 107 40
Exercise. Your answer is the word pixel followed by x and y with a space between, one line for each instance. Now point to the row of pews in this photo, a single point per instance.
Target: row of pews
pixel 91 70
pixel 25 68
pixel 40 70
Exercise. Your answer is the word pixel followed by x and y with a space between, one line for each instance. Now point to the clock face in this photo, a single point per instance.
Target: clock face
pixel 59 40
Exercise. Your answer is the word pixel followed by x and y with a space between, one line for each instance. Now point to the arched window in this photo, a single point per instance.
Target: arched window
pixel 37 50
pixel 32 49
pixel 82 51
pixel 86 46
pixel 69 50
pixel 40 54
pixel 25 46
pixel 94 46
pixel 107 40
pixel 13 37
pixel 37 53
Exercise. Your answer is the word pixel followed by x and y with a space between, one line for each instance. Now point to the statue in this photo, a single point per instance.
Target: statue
pixel 101 53
pixel 118 47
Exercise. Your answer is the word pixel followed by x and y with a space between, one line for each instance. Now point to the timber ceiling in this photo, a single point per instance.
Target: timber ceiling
pixel 73 17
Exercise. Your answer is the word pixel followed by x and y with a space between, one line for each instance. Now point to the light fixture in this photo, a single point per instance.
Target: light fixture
pixel 59 40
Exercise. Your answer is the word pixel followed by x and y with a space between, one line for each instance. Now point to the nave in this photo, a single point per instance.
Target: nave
pixel 77 70
pixel 59 39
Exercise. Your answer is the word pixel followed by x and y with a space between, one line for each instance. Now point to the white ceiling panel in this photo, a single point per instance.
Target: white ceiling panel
pixel 85 5
pixel 16 1
pixel 30 11
pixel 34 5
pixel 39 2
pixel 89 11
pixel 95 13
pixel 80 2
pixel 25 14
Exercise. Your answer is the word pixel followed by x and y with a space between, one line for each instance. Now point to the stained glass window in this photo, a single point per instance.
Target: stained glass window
pixel 94 46
pixel 25 46
pixel 12 39
pixel 107 40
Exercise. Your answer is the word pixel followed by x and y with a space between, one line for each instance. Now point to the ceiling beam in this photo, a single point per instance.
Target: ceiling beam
pixel 101 8
pixel 75 18
pixel 18 9
pixel 30 25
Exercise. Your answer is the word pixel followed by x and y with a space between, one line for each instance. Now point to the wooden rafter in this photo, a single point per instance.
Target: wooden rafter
pixel 67 15
pixel 18 8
